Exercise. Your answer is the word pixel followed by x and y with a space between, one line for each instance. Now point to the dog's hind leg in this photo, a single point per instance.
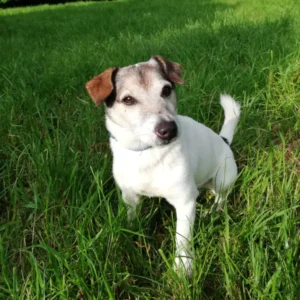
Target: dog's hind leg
pixel 223 180
pixel 219 201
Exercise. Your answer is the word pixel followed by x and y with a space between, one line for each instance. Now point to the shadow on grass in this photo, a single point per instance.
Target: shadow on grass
pixel 101 20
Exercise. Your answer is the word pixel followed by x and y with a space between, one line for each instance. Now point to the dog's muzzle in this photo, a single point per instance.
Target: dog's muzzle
pixel 166 130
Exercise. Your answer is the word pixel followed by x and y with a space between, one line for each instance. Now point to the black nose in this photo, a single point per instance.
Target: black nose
pixel 166 130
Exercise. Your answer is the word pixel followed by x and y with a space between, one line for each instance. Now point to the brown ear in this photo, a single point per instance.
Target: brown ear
pixel 171 69
pixel 101 86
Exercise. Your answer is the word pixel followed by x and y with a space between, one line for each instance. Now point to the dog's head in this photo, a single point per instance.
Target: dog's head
pixel 140 102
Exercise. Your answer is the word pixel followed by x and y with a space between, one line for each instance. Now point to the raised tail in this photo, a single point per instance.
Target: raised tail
pixel 232 111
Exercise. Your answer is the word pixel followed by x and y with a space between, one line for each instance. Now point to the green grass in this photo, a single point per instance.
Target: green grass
pixel 63 230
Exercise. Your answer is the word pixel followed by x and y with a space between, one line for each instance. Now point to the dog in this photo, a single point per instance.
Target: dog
pixel 158 153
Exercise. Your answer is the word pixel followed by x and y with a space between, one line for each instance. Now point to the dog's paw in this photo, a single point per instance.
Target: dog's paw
pixel 184 265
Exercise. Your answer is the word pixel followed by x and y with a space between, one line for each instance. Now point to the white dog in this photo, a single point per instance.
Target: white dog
pixel 158 153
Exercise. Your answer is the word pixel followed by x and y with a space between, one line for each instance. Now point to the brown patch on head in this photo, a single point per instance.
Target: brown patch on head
pixel 101 86
pixel 141 72
pixel 170 69
pixel 144 74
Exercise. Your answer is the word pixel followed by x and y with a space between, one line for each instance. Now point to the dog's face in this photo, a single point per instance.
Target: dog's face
pixel 140 102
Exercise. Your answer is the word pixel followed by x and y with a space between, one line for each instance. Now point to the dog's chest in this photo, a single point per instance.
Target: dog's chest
pixel 152 174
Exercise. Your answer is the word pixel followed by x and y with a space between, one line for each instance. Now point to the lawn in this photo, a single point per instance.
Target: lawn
pixel 63 228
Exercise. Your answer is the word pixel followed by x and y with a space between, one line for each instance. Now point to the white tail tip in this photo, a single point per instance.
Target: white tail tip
pixel 232 111
pixel 231 108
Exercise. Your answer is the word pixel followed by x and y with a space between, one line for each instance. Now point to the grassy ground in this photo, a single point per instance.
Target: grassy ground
pixel 63 230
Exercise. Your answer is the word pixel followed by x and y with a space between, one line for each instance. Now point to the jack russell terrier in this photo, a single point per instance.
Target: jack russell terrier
pixel 158 153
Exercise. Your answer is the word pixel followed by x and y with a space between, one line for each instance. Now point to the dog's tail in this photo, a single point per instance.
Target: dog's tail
pixel 232 113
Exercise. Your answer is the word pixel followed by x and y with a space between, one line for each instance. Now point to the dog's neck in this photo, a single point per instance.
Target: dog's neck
pixel 135 149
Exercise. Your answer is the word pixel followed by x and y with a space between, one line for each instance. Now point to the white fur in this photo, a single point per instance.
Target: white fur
pixel 232 114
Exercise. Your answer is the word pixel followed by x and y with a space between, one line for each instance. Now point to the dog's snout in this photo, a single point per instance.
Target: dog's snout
pixel 166 130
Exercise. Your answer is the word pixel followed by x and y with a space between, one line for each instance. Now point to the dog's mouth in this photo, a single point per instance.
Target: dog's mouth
pixel 167 142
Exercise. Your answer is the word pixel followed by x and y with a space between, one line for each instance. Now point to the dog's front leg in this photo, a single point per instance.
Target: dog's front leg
pixel 185 212
pixel 131 200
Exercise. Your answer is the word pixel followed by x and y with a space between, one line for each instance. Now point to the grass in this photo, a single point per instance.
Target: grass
pixel 64 233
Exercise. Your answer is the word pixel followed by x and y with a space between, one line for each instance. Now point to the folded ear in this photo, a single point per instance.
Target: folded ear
pixel 171 69
pixel 101 86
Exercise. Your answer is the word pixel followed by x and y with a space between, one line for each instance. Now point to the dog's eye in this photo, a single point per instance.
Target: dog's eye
pixel 166 91
pixel 129 100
